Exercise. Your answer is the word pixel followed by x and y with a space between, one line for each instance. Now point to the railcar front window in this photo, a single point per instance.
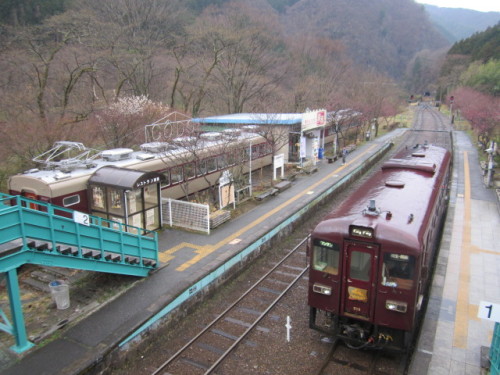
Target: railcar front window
pixel 360 265
pixel 326 257
pixel 398 270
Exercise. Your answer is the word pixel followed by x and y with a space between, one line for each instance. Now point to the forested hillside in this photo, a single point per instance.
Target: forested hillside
pixel 111 66
pixel 470 80
pixel 383 34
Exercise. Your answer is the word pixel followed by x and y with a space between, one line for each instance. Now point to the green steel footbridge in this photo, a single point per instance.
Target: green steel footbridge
pixel 39 233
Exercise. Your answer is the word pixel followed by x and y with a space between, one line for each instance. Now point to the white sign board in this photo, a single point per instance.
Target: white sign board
pixel 226 190
pixel 490 311
pixel 81 218
pixel 303 145
pixel 279 162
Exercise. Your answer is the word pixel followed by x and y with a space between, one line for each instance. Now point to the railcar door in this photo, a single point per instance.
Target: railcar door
pixel 359 280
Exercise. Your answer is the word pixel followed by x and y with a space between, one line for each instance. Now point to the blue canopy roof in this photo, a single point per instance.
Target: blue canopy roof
pixel 253 119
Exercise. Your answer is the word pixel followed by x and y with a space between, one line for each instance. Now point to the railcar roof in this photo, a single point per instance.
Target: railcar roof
pixel 403 187
pixel 55 175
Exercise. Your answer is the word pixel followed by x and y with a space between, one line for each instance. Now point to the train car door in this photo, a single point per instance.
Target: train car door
pixel 359 270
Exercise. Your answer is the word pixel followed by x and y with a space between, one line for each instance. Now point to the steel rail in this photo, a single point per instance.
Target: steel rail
pixel 250 328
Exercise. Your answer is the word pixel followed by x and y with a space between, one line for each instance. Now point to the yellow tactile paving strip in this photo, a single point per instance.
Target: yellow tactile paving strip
pixel 462 309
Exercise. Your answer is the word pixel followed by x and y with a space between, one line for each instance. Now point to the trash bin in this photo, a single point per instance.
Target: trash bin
pixel 60 293
pixel 320 153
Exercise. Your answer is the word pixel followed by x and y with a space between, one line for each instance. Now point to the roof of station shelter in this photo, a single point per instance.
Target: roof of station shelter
pixel 123 178
pixel 253 119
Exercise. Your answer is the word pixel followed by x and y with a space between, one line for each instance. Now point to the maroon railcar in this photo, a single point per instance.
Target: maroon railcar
pixel 371 258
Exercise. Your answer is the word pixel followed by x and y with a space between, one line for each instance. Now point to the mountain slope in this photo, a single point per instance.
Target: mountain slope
pixel 458 24
pixel 382 34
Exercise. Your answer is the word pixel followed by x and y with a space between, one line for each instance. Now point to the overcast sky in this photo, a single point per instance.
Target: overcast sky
pixel 481 5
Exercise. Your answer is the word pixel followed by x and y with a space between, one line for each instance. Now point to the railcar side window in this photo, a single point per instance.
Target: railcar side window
pixel 167 179
pixel 222 161
pixel 360 265
pixel 190 170
pixel 326 257
pixel 202 167
pixel 211 164
pixel 176 175
pixel 71 200
pixel 398 270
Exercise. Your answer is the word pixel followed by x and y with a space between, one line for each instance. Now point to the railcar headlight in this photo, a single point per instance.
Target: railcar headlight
pixel 396 306
pixel 322 289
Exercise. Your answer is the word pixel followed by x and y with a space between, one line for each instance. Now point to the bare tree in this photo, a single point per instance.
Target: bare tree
pixel 250 67
pixel 46 88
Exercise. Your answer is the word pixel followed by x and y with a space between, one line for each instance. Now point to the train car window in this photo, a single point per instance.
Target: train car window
pixel 245 154
pixel 231 159
pixel 221 162
pixel 71 200
pixel 167 179
pixel 211 164
pixel 176 174
pixel 268 149
pixel 263 149
pixel 202 167
pixel 326 257
pixel 255 152
pixel 360 265
pixel 398 270
pixel 190 171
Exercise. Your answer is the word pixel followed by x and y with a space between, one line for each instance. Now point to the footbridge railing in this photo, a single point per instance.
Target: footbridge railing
pixel 40 233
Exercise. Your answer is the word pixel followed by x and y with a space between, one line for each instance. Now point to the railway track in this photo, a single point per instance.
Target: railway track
pixel 429 126
pixel 206 351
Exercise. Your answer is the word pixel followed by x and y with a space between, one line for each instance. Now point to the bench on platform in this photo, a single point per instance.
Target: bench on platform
pixel 266 194
pixel 311 169
pixel 291 177
pixel 283 185
pixel 331 159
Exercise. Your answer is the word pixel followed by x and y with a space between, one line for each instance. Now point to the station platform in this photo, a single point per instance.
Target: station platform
pixel 453 340
pixel 189 264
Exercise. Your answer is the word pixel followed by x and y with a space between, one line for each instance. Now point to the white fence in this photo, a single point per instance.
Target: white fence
pixel 188 215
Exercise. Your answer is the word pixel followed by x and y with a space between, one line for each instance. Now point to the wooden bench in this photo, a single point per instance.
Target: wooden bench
pixel 350 148
pixel 283 185
pixel 291 177
pixel 331 159
pixel 311 169
pixel 219 217
pixel 266 194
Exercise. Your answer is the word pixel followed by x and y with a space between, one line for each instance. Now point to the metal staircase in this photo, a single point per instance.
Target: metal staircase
pixel 40 233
